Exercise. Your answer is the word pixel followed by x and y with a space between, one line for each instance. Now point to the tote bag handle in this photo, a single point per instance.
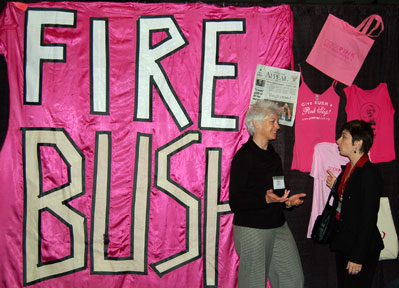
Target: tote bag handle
pixel 365 25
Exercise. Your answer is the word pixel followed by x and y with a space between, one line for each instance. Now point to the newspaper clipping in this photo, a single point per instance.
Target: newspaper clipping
pixel 280 86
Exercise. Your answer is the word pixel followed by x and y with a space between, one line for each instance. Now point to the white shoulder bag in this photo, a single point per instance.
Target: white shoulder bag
pixel 387 229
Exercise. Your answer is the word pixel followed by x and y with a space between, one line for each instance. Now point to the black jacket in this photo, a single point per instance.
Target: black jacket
pixel 356 233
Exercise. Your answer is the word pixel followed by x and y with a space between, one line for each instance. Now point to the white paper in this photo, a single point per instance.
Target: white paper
pixel 278 182
pixel 280 86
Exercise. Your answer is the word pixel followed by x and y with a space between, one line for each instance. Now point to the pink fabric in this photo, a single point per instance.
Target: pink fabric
pixel 316 116
pixel 374 106
pixel 326 157
pixel 341 49
pixel 108 195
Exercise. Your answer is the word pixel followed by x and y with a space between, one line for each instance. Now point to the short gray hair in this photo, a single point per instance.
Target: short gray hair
pixel 258 111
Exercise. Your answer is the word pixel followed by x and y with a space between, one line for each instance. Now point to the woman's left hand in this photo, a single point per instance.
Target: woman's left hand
pixel 353 268
pixel 295 200
pixel 272 198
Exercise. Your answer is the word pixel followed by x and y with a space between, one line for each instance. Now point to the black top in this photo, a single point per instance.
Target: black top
pixel 357 234
pixel 251 175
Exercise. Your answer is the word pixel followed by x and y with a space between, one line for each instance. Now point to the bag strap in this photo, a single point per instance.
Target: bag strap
pixel 365 25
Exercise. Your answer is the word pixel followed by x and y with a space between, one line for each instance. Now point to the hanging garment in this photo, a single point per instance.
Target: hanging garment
pixel 316 116
pixel 375 107
pixel 325 157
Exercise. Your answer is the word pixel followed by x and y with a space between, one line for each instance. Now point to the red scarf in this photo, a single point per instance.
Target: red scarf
pixel 345 177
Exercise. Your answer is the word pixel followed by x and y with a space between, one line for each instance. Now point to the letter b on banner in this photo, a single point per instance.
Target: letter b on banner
pixel 55 202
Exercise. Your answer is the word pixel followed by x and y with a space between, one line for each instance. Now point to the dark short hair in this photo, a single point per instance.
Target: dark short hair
pixel 360 130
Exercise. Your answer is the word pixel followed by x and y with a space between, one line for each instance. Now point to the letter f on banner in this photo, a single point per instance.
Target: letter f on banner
pixel 54 201
pixel 37 52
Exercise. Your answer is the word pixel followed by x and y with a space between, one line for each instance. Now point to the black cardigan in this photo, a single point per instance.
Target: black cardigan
pixel 357 234
pixel 251 175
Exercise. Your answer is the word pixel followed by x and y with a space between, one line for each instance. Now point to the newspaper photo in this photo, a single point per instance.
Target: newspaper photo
pixel 280 86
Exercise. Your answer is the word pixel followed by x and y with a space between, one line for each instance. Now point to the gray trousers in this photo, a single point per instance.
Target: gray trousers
pixel 267 253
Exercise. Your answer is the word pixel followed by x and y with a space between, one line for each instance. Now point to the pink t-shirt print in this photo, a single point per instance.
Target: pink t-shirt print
pixel 374 106
pixel 316 116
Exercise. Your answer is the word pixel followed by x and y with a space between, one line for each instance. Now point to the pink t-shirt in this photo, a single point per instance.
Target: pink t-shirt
pixel 326 157
pixel 316 116
pixel 374 106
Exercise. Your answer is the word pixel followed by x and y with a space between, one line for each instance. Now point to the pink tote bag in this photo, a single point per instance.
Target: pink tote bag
pixel 340 49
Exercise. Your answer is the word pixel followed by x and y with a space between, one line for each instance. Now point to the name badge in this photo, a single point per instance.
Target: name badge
pixel 339 205
pixel 278 182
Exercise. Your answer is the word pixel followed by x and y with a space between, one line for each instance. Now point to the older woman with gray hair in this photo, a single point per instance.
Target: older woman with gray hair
pixel 262 238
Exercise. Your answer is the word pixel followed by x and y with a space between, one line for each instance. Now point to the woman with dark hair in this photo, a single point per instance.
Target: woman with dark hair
pixel 356 238
pixel 262 238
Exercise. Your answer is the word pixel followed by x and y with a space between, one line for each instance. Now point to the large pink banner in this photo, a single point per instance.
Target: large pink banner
pixel 124 118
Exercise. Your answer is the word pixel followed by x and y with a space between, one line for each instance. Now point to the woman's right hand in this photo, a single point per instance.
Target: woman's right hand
pixel 270 197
